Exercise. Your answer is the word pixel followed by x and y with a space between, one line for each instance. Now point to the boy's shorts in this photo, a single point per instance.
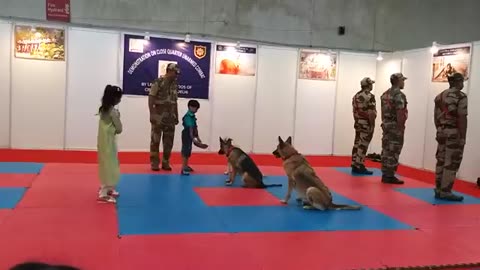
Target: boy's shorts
pixel 186 143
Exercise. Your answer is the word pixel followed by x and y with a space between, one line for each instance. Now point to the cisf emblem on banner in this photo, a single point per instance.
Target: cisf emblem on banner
pixel 199 51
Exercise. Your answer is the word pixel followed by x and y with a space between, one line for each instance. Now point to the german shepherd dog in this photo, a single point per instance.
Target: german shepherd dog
pixel 241 163
pixel 311 191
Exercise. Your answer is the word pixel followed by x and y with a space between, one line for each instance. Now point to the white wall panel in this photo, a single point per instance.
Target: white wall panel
pixel 233 101
pixel 416 65
pixel 314 117
pixel 430 142
pixel 92 64
pixel 353 68
pixel 38 103
pixel 392 63
pixel 5 54
pixel 470 169
pixel 275 100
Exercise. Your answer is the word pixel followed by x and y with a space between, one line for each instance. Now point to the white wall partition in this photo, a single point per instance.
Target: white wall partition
pixel 275 100
pixel 430 143
pixel 38 103
pixel 52 104
pixel 392 63
pixel 417 91
pixel 429 160
pixel 314 117
pixel 470 168
pixel 136 123
pixel 5 48
pixel 92 64
pixel 233 105
pixel 353 69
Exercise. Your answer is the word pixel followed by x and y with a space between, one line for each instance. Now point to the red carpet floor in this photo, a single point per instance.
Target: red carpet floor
pixel 59 221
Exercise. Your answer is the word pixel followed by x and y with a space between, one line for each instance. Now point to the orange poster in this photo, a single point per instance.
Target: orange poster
pixel 317 65
pixel 235 60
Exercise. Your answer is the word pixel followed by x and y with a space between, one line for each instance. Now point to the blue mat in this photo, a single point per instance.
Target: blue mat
pixel 428 195
pixel 168 204
pixel 348 170
pixel 9 197
pixel 20 167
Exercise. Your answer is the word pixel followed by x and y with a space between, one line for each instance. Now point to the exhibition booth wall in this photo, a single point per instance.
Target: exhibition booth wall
pixel 52 104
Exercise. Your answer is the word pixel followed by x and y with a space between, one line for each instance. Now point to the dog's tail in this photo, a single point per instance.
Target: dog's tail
pixel 272 185
pixel 344 207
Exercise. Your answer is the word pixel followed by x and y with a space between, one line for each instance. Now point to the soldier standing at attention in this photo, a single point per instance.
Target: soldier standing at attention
pixel 162 103
pixel 394 116
pixel 450 118
pixel 364 114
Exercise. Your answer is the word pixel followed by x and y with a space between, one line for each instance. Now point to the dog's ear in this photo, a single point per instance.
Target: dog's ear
pixel 229 141
pixel 221 141
pixel 280 141
pixel 289 140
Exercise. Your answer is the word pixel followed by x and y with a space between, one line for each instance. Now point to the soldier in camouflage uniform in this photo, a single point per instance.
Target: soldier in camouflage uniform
pixel 162 103
pixel 364 115
pixel 450 118
pixel 394 116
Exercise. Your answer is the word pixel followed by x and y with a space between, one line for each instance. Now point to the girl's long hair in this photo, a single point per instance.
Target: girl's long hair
pixel 110 96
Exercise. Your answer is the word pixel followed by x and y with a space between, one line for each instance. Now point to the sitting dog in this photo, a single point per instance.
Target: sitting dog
pixel 241 163
pixel 309 187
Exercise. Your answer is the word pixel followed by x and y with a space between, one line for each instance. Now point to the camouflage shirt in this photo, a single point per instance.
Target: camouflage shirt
pixel 448 105
pixel 392 101
pixel 164 94
pixel 363 102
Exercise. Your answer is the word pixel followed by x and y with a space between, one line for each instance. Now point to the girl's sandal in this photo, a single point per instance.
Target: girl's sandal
pixel 106 199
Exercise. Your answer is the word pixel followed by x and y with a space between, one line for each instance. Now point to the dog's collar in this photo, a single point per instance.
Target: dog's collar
pixel 292 155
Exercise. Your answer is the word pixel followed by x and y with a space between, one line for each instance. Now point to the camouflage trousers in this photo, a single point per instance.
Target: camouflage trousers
pixel 363 137
pixel 392 144
pixel 449 157
pixel 163 133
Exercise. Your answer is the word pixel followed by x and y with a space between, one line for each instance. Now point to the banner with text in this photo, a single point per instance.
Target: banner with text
pixel 234 60
pixel 58 10
pixel 317 65
pixel 451 59
pixel 146 60
pixel 39 43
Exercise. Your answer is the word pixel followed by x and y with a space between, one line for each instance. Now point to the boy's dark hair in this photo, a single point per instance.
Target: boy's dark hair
pixel 110 95
pixel 194 103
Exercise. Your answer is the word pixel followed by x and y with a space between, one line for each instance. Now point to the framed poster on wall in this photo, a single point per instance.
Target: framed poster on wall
pixel 317 65
pixel 41 43
pixel 146 60
pixel 451 59
pixel 236 60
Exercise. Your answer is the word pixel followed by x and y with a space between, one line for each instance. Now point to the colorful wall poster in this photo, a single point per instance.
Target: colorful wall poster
pixel 449 60
pixel 234 60
pixel 39 43
pixel 146 60
pixel 318 65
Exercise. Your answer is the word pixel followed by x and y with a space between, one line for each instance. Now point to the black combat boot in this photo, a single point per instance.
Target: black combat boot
pixel 361 170
pixel 447 196
pixel 392 180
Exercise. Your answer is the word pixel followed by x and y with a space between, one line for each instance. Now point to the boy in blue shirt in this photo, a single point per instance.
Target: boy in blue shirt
pixel 190 135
